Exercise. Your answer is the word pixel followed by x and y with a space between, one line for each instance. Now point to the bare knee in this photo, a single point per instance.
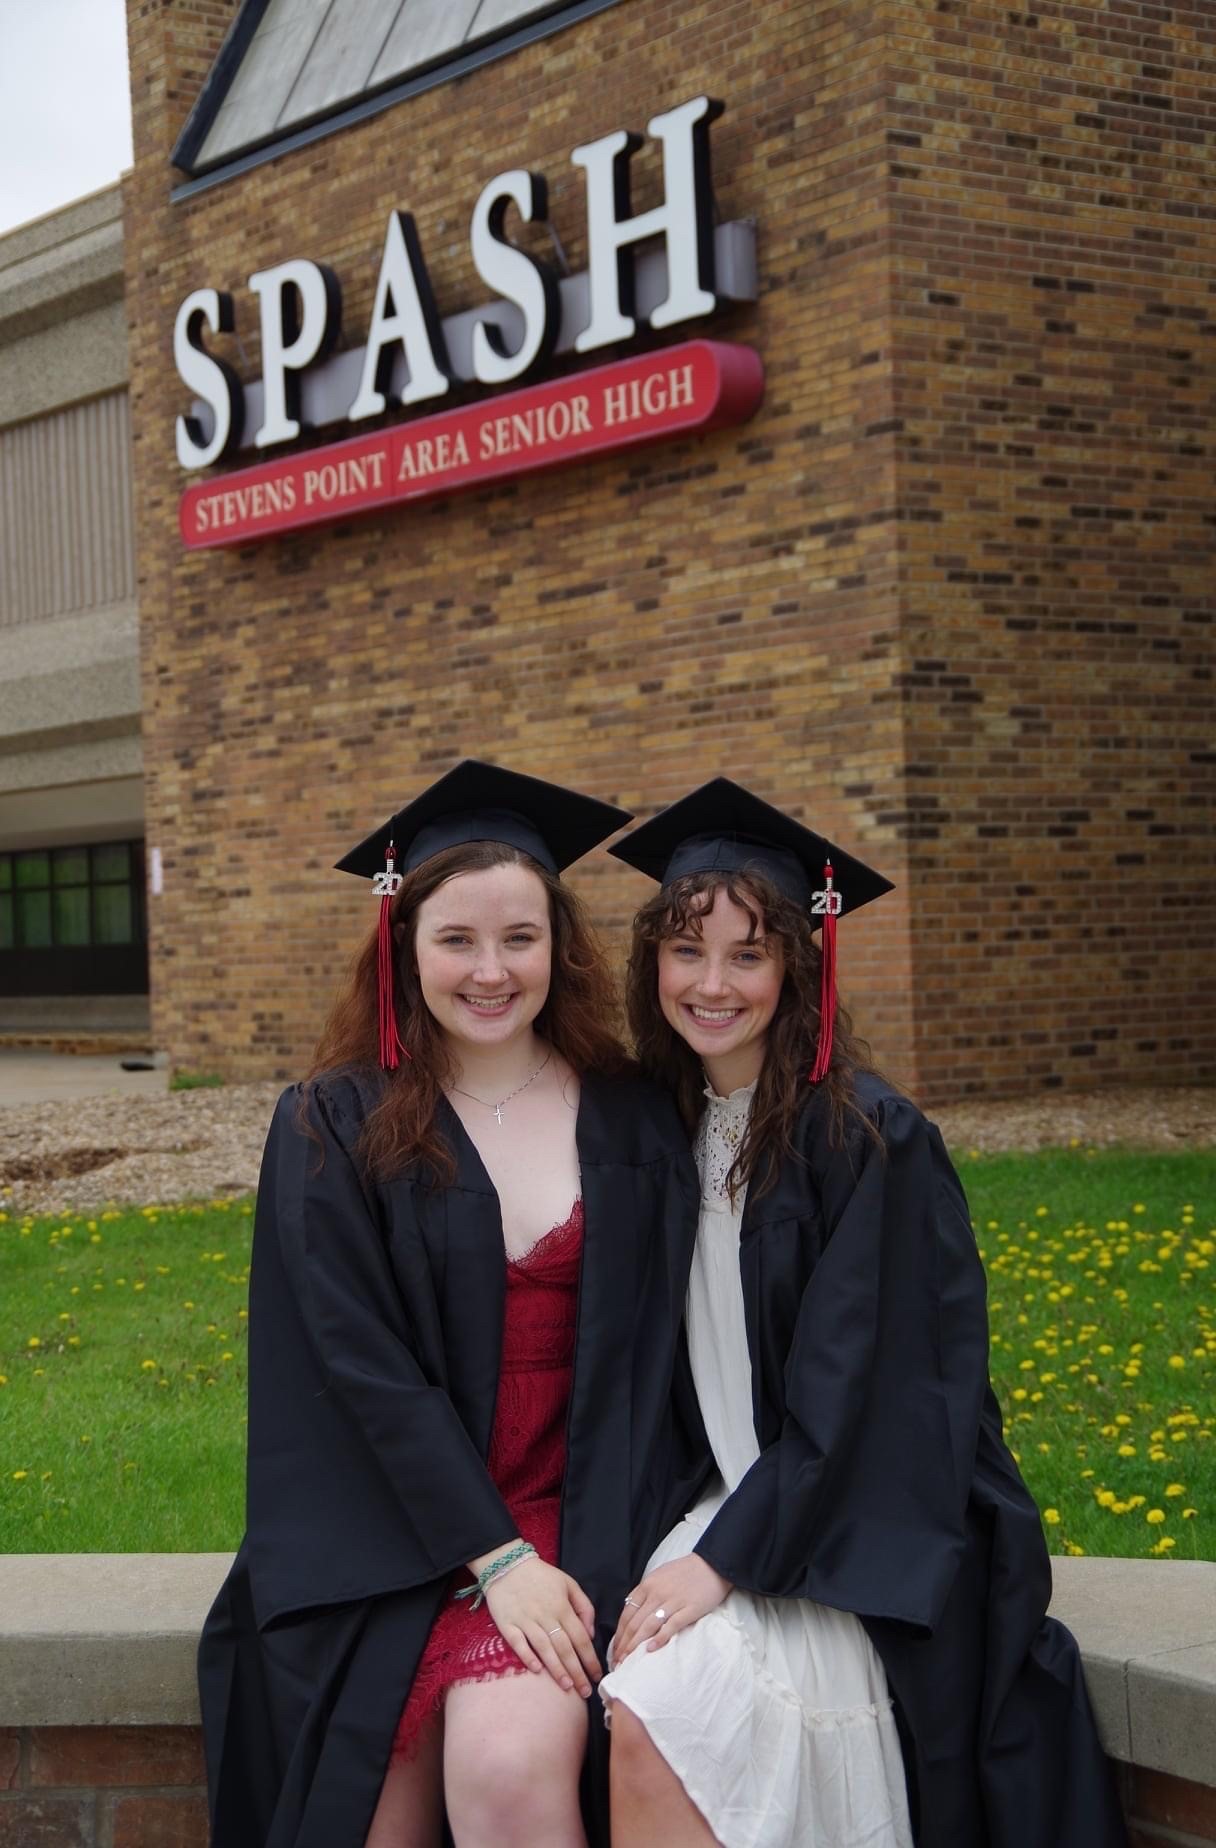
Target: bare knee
pixel 514 1788
pixel 637 1765
pixel 649 1803
pixel 505 1774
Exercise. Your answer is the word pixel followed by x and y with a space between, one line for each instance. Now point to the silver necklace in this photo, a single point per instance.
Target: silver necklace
pixel 497 1108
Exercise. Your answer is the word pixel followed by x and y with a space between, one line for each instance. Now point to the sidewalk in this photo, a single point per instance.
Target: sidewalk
pixel 47 1077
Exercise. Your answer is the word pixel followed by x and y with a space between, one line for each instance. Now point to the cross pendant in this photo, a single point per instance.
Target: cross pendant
pixel 498 1113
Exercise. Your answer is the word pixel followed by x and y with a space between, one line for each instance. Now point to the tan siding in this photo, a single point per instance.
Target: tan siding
pixel 66 537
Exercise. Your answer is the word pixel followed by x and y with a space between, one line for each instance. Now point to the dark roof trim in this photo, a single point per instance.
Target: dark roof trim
pixel 231 53
pixel 373 103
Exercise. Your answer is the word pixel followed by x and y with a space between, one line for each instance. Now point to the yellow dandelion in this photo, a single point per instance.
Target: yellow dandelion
pixel 1175 1488
pixel 147 1366
pixel 33 1342
pixel 1155 1516
pixel 1188 1514
pixel 19 1475
pixel 1052 1516
pixel 1126 1450
pixel 1177 1362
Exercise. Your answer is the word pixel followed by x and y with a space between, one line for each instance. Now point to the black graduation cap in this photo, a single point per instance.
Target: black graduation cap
pixel 722 827
pixel 482 802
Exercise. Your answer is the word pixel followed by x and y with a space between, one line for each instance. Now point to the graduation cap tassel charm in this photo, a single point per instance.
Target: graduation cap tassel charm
pixel 385 887
pixel 826 905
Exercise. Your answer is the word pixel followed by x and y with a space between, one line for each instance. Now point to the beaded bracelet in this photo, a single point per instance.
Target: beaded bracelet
pixel 514 1556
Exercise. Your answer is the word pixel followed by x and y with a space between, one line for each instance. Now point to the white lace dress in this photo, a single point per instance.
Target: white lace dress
pixel 773 1713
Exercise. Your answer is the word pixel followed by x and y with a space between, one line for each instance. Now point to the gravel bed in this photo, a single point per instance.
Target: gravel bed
pixel 85 1153
pixel 82 1153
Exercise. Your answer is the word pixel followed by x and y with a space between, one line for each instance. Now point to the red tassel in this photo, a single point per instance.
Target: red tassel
pixel 827 980
pixel 388 884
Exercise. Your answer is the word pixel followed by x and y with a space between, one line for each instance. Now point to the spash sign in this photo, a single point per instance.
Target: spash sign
pixel 658 269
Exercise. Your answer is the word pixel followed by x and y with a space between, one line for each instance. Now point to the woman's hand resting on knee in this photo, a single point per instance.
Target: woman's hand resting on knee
pixel 665 1602
pixel 548 1621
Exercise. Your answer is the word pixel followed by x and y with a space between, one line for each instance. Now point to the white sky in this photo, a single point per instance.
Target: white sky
pixel 65 105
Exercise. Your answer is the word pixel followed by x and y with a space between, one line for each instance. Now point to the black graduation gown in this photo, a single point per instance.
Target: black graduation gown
pixel 884 1486
pixel 375 1332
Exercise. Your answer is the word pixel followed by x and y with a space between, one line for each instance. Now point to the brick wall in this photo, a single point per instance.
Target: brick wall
pixel 143 1787
pixel 824 603
pixel 102 1787
pixel 1166 1812
pixel 1053 255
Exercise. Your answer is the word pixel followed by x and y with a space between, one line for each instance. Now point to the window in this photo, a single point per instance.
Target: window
pixel 72 897
pixel 291 70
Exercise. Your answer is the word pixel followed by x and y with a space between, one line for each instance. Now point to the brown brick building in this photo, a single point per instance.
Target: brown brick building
pixel 949 593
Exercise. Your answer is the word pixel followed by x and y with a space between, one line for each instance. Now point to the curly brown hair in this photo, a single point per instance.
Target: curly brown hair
pixel 578 1018
pixel 793 1034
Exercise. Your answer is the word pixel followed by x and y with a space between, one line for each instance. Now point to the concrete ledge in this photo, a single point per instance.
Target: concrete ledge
pixel 1147 1631
pixel 103 1639
pixel 108 1639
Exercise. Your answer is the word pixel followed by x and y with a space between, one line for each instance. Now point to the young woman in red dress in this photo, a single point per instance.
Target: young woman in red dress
pixel 473 1234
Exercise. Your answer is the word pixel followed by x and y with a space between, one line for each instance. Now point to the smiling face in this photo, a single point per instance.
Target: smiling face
pixel 719 986
pixel 483 945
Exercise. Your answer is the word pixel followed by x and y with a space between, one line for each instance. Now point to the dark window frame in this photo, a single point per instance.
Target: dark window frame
pixel 132 880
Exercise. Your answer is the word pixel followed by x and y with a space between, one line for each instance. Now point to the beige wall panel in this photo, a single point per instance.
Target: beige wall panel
pixel 74 811
pixel 59 365
pixel 66 538
pixel 48 770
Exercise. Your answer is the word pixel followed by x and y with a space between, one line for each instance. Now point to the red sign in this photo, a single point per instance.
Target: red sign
pixel 680 391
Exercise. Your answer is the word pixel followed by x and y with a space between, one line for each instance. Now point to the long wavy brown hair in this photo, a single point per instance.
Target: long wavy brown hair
pixel 578 1018
pixel 793 1035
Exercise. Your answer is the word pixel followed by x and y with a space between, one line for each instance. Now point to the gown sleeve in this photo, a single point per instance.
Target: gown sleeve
pixel 362 1476
pixel 860 1501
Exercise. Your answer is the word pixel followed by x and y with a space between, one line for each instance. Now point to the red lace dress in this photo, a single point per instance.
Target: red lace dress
pixel 527 1460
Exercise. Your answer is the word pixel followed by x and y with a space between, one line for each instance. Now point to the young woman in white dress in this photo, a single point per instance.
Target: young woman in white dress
pixel 844 1643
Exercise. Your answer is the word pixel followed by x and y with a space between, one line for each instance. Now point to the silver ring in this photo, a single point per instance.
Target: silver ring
pixel 555 1631
pixel 660 1615
pixel 634 1603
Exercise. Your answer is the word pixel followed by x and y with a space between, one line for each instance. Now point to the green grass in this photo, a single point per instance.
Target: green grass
pixel 122 1344
pixel 122 1352
pixel 195 1081
pixel 1101 1273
